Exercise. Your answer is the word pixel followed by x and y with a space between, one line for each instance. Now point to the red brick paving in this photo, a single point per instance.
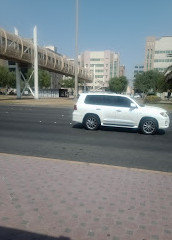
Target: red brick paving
pixel 83 201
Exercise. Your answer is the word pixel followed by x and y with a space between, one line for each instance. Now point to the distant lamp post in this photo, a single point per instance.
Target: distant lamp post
pixel 18 78
pixel 36 95
pixel 76 52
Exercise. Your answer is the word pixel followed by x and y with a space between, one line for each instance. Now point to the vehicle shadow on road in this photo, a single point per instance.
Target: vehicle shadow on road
pixel 15 234
pixel 118 129
pixel 107 129
pixel 78 125
pixel 161 132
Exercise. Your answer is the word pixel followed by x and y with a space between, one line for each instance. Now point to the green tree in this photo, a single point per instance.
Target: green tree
pixel 12 79
pixel 168 77
pixel 4 76
pixel 118 84
pixel 7 78
pixel 150 81
pixel 68 83
pixel 44 78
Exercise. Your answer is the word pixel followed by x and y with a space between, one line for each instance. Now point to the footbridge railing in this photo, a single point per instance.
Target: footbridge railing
pixel 20 50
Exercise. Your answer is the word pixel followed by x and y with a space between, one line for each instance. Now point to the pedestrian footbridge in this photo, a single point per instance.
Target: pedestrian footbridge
pixel 22 51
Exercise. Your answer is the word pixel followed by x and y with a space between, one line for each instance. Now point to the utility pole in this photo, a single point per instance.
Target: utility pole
pixel 18 78
pixel 76 53
pixel 35 62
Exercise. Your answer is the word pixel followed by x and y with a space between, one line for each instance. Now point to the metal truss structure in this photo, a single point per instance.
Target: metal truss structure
pixel 21 51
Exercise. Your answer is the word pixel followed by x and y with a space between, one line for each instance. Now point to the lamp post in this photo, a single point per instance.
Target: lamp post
pixel 18 78
pixel 35 63
pixel 76 52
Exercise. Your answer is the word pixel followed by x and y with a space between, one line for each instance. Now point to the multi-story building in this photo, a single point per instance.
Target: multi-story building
pixel 55 77
pixel 122 70
pixel 103 64
pixel 158 53
pixel 139 68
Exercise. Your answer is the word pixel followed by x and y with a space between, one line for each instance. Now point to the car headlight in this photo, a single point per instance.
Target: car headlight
pixel 164 114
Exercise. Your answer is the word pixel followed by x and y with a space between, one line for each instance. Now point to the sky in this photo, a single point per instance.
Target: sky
pixel 117 25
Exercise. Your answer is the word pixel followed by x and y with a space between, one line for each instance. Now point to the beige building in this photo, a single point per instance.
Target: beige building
pixel 122 71
pixel 138 69
pixel 158 53
pixel 103 64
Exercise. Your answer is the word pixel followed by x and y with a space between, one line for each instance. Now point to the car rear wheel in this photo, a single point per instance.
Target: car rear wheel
pixel 91 122
pixel 149 126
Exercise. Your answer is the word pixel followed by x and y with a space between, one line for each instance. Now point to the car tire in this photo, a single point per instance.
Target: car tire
pixel 148 126
pixel 91 122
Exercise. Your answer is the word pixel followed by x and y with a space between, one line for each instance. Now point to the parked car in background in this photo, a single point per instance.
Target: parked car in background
pixel 114 110
pixel 137 95
pixel 12 92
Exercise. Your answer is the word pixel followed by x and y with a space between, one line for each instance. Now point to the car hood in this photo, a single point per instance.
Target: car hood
pixel 153 109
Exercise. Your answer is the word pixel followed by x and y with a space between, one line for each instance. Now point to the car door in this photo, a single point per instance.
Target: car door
pixel 99 105
pixel 126 116
pixel 108 111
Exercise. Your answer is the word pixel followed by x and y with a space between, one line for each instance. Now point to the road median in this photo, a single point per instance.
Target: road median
pixel 29 101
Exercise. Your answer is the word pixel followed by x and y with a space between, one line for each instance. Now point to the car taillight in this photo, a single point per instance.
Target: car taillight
pixel 75 107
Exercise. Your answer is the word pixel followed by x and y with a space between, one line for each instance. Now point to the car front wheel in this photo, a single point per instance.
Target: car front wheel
pixel 91 122
pixel 149 126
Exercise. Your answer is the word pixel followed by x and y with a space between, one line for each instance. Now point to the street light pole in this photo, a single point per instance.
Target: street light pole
pixel 76 53
pixel 18 77
pixel 36 95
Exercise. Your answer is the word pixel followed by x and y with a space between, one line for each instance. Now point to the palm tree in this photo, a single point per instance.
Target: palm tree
pixel 168 74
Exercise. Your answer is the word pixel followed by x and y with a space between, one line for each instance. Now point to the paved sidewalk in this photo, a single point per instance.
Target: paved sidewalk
pixel 62 200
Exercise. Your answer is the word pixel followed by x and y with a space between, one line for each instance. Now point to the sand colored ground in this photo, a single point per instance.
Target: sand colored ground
pixel 59 102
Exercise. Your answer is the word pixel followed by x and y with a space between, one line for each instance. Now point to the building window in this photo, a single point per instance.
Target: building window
pixel 163 60
pixel 95 59
pixel 98 76
pixel 97 65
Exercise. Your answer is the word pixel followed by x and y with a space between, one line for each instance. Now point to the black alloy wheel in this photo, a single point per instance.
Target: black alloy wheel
pixel 149 126
pixel 91 122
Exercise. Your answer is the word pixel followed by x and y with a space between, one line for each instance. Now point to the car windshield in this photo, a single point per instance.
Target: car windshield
pixel 139 102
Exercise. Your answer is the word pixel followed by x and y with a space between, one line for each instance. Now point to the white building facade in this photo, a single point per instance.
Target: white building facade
pixel 103 64
pixel 158 53
pixel 138 69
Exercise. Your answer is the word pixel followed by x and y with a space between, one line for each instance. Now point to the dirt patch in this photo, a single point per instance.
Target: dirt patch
pixel 52 102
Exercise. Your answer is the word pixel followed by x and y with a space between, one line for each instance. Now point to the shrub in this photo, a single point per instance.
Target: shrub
pixel 151 94
pixel 152 99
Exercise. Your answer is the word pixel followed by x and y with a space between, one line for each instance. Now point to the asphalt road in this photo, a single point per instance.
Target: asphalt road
pixel 49 132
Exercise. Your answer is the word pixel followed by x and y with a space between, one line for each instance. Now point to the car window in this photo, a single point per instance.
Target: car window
pixel 101 100
pixel 123 102
pixel 93 99
pixel 105 100
pixel 110 100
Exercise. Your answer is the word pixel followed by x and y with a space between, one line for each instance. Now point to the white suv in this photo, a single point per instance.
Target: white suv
pixel 103 109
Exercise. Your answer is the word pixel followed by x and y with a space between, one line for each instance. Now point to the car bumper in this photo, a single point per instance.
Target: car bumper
pixel 164 123
pixel 77 117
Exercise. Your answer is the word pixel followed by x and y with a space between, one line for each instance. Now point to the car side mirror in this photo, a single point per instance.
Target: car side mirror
pixel 133 105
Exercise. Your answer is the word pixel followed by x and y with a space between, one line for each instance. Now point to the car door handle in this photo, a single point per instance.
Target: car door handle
pixel 118 110
pixel 98 108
